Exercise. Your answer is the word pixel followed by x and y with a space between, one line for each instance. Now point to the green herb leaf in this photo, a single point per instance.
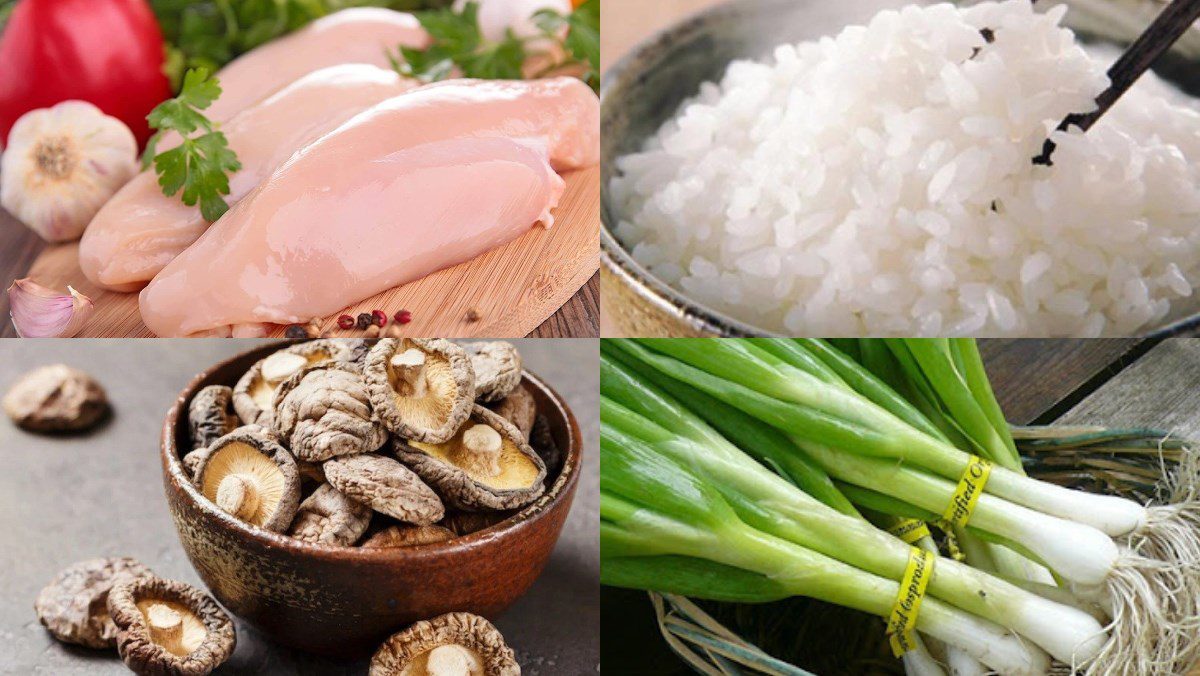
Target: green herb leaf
pixel 198 166
pixel 457 43
pixel 583 40
pixel 210 33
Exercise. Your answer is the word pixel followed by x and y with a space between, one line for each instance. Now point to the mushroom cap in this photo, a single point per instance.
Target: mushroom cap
pixel 387 486
pixel 434 414
pixel 323 411
pixel 405 535
pixel 267 474
pixel 191 462
pixel 356 353
pixel 328 517
pixel 55 398
pixel 444 466
pixel 465 523
pixel 310 473
pixel 541 439
pixel 497 366
pixel 519 408
pixel 73 606
pixel 253 395
pixel 410 649
pixel 203 639
pixel 211 415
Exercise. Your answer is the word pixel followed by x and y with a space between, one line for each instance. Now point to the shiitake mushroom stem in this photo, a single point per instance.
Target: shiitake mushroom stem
pixel 451 660
pixel 238 494
pixel 409 369
pixel 166 628
pixel 483 445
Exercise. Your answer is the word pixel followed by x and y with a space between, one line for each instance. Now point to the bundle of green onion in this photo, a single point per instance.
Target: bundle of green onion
pixel 756 469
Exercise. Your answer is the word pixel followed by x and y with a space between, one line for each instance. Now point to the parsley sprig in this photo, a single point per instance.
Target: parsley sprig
pixel 458 43
pixel 583 35
pixel 210 33
pixel 201 164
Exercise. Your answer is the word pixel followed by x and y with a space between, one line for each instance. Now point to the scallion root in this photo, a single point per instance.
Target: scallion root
pixel 1155 592
pixel 1155 608
pixel 1171 531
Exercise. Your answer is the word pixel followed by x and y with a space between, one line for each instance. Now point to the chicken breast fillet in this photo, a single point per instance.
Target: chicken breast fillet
pixel 137 232
pixel 423 181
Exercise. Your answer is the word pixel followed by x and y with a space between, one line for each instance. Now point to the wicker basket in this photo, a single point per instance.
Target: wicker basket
pixel 802 636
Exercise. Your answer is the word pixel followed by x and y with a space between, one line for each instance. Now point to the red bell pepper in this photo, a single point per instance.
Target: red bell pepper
pixel 107 52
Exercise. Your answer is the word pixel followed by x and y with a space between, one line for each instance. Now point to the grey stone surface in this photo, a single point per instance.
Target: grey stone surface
pixel 63 499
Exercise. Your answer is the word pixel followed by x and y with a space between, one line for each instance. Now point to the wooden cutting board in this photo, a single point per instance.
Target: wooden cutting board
pixel 511 289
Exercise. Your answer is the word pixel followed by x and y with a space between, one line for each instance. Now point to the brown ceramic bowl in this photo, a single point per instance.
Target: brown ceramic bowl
pixel 344 601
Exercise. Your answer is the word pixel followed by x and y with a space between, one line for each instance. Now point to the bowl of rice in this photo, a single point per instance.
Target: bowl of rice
pixel 847 169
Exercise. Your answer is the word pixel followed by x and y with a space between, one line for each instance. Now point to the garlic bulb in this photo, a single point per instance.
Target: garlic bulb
pixel 496 17
pixel 41 312
pixel 61 165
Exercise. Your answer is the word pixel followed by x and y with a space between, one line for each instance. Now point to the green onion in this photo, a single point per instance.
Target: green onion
pixel 771 504
pixel 796 402
pixel 651 506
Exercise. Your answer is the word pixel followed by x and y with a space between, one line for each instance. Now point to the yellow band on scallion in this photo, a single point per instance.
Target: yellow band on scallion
pixel 903 618
pixel 909 530
pixel 966 495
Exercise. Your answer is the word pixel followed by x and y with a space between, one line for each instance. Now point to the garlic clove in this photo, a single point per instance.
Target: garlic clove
pixel 61 165
pixel 41 312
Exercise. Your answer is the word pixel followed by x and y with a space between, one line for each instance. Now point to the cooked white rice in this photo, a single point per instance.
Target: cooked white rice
pixel 880 183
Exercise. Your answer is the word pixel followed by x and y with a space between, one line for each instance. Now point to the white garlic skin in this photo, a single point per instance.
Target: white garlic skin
pixel 61 165
pixel 497 16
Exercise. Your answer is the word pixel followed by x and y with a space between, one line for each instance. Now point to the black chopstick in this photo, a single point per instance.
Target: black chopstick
pixel 1170 25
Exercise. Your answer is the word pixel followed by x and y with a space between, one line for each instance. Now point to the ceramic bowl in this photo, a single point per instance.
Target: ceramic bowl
pixel 647 85
pixel 343 601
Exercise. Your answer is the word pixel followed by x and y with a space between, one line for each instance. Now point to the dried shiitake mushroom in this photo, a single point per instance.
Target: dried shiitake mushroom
pixel 322 411
pixel 541 439
pixel 461 644
pixel 56 398
pixel 72 607
pixel 191 461
pixel 486 465
pixel 421 389
pixel 387 486
pixel 249 475
pixel 211 416
pixel 311 472
pixel 519 408
pixel 407 536
pixel 327 517
pixel 168 627
pixel 356 352
pixel 254 393
pixel 497 367
pixel 465 523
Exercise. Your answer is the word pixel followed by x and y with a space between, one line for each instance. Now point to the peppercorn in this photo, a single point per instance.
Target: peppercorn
pixel 364 320
pixel 403 317
pixel 345 322
pixel 378 317
pixel 472 315
pixel 295 332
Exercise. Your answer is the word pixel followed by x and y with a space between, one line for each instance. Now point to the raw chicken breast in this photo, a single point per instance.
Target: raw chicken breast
pixel 420 182
pixel 140 230
pixel 356 35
